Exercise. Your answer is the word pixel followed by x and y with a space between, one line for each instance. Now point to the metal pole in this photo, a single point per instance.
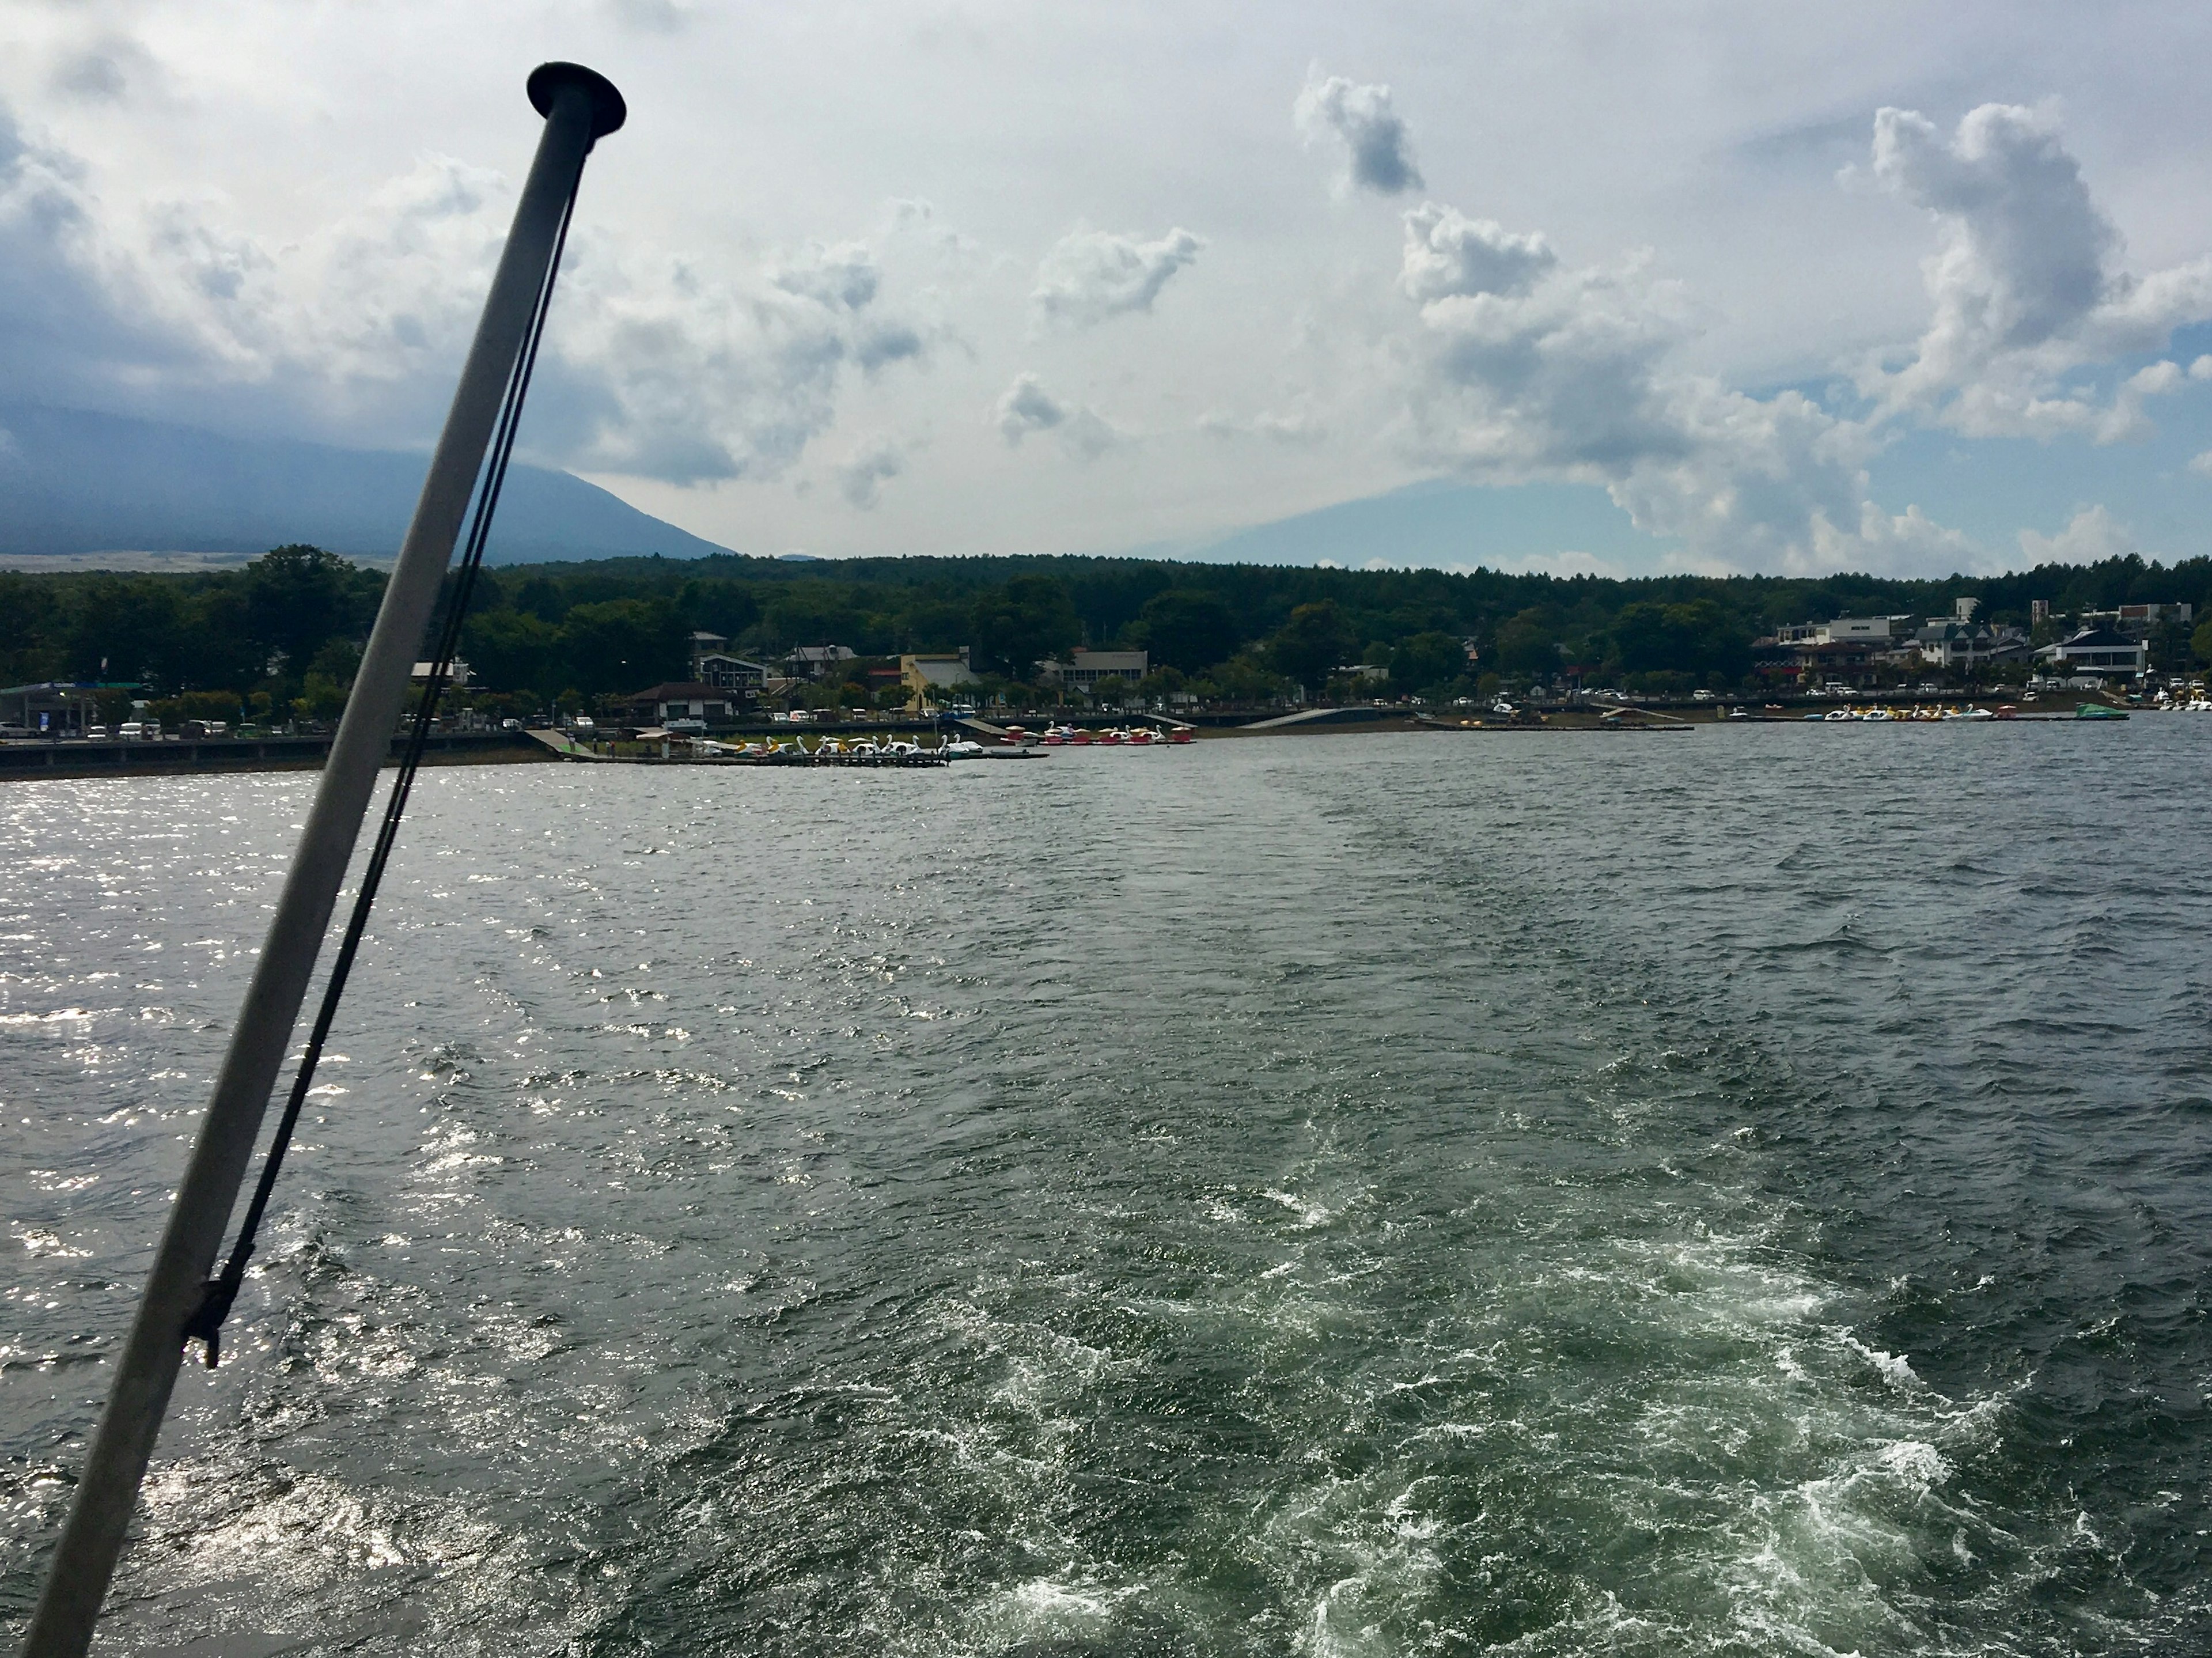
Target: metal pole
pixel 579 106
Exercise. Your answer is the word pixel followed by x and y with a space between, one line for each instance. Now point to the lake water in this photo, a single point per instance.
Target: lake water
pixel 1738 1193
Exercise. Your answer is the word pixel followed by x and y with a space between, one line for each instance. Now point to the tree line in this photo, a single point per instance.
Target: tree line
pixel 282 633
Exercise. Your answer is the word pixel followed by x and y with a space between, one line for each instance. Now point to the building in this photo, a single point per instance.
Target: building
pixel 1964 645
pixel 815 661
pixel 2139 621
pixel 923 672
pixel 687 700
pixel 1881 632
pixel 1813 662
pixel 1086 668
pixel 457 673
pixel 2101 651
pixel 713 664
pixel 55 707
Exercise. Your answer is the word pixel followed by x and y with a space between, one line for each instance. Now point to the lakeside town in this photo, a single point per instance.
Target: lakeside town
pixel 267 650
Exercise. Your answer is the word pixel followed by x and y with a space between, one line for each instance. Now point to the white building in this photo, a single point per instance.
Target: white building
pixel 2101 650
pixel 1877 631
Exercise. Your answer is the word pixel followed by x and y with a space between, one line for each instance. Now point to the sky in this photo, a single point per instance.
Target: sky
pixel 1718 286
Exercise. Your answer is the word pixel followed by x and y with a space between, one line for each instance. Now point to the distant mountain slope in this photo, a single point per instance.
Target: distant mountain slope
pixel 1444 522
pixel 76 483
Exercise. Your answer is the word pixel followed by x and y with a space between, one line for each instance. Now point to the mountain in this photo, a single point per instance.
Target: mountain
pixel 1444 523
pixel 76 483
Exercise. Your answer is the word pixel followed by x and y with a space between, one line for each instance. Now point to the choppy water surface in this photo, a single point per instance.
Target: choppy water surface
pixel 1741 1193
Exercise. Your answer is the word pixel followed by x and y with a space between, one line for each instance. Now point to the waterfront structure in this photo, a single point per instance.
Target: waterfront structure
pixel 1874 632
pixel 713 664
pixel 924 671
pixel 457 673
pixel 1086 668
pixel 1965 645
pixel 683 700
pixel 1812 661
pixel 2102 651
pixel 55 707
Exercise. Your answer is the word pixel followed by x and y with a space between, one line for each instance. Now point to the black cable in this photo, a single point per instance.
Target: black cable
pixel 205 1324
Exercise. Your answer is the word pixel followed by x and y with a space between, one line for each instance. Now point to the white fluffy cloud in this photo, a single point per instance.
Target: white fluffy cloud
pixel 1534 369
pixel 2092 535
pixel 1026 409
pixel 1379 152
pixel 1092 274
pixel 653 367
pixel 2025 287
pixel 1448 253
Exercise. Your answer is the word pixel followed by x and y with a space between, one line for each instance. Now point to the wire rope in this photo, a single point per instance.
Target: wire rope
pixel 205 1325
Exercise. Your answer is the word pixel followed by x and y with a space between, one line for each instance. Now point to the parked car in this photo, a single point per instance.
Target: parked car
pixel 510 724
pixel 1701 696
pixel 582 722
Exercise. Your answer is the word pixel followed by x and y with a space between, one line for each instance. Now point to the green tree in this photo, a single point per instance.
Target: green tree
pixel 297 597
pixel 1311 644
pixel 1528 643
pixel 1698 638
pixel 1425 662
pixel 129 623
pixel 1186 628
pixel 622 645
pixel 1029 619
pixel 514 650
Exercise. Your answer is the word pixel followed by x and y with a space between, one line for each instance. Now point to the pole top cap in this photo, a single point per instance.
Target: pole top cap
pixel 549 81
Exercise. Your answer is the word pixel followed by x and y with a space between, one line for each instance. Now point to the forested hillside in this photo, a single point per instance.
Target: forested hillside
pixel 283 632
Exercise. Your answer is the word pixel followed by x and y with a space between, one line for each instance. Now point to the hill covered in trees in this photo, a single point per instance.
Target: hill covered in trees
pixel 283 632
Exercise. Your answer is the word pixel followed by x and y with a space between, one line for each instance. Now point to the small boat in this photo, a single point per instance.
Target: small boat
pixel 1185 734
pixel 963 748
pixel 2097 711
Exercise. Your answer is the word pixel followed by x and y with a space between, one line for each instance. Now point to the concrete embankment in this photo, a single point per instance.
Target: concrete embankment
pixel 169 756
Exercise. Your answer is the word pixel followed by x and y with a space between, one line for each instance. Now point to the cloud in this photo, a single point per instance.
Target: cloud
pixel 1449 254
pixel 105 70
pixel 859 479
pixel 652 367
pixel 1380 156
pixel 651 16
pixel 2091 536
pixel 1026 408
pixel 2025 287
pixel 1300 423
pixel 1092 274
pixel 1531 369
